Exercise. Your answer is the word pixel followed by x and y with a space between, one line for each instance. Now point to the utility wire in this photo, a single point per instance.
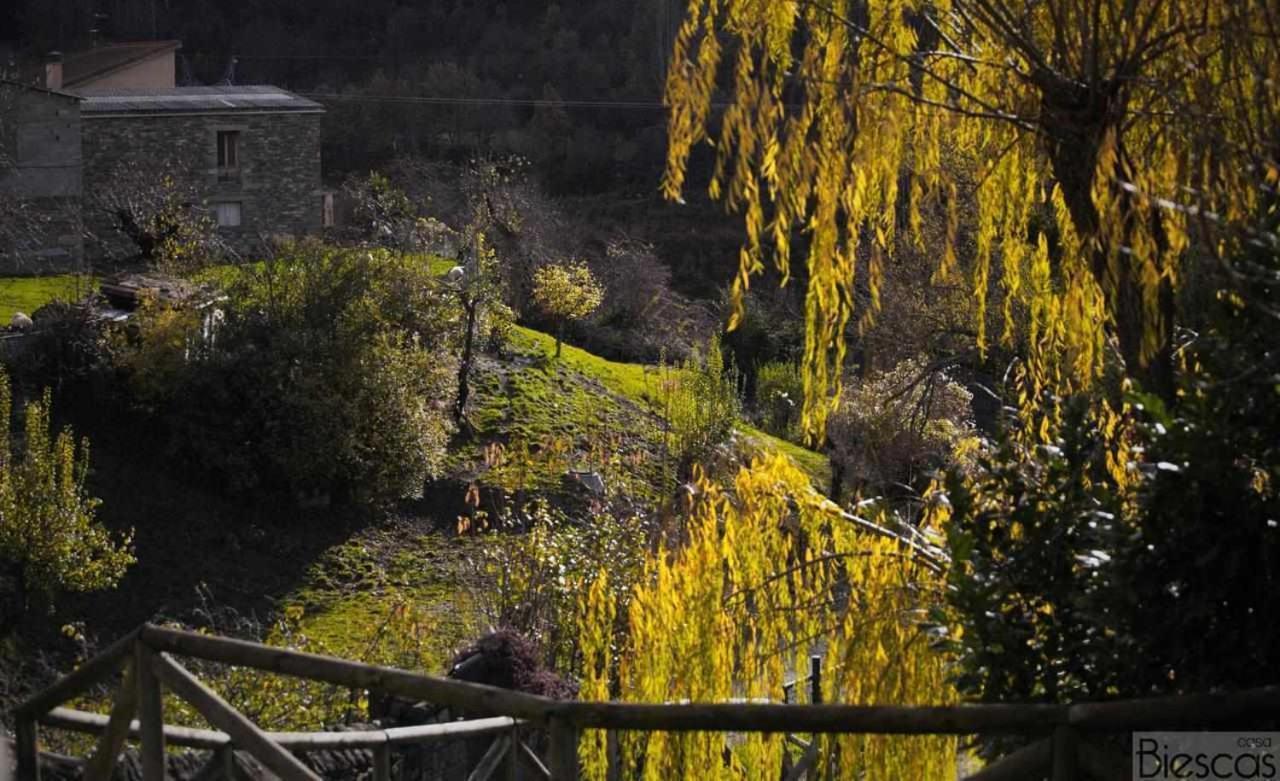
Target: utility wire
pixel 522 102
pixel 525 102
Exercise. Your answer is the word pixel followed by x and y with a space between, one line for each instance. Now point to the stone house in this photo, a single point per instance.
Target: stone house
pixel 249 155
pixel 41 180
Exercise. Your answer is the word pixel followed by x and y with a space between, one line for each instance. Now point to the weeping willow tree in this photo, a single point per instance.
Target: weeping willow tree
pixel 765 574
pixel 1133 126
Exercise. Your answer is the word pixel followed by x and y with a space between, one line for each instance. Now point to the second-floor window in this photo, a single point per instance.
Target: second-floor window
pixel 228 154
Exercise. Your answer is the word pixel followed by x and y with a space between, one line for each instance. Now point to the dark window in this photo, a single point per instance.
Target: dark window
pixel 228 153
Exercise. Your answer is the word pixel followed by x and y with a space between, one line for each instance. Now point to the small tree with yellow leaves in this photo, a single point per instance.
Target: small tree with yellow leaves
pixel 49 538
pixel 566 292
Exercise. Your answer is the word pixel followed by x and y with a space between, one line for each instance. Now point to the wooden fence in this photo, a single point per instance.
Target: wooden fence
pixel 1062 743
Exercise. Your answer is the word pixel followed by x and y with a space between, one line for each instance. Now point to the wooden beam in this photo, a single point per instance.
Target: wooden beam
pixel 113 737
pixel 83 677
pixel 190 737
pixel 1188 710
pixel 471 728
pixel 474 697
pixel 26 747
pixel 382 762
pixel 488 763
pixel 613 756
pixel 94 723
pixel 563 754
pixel 243 733
pixel 533 761
pixel 216 767
pixel 1030 761
pixel 150 714
pixel 1066 757
pixel 513 754
pixel 868 719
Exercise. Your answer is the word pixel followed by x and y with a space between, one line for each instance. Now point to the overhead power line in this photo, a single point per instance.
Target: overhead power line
pixel 524 102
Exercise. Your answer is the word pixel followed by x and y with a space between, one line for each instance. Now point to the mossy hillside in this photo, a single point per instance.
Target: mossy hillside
pixel 536 419
pixel 643 386
pixel 354 594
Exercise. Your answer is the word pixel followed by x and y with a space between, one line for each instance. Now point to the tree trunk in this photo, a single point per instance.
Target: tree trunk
pixel 464 366
pixel 1078 120
pixel 837 474
pixel 559 338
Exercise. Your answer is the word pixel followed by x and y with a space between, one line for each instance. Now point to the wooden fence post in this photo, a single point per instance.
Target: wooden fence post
pixel 28 735
pixel 243 733
pixel 111 741
pixel 150 714
pixel 382 762
pixel 513 755
pixel 613 755
pixel 1065 755
pixel 564 750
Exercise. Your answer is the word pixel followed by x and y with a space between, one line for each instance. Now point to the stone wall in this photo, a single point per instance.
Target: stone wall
pixel 278 187
pixel 40 182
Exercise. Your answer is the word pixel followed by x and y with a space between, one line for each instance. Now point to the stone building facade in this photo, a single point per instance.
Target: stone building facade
pixel 40 180
pixel 98 127
pixel 249 155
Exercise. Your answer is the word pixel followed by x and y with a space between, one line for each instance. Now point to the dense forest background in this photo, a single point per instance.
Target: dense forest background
pixel 574 86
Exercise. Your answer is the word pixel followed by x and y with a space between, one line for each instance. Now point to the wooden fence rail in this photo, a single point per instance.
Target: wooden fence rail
pixel 1062 746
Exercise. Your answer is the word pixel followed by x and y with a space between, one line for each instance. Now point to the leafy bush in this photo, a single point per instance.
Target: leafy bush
pixel 701 404
pixel 330 371
pixel 538 574
pixel 893 426
pixel 1134 551
pixel 48 534
pixel 779 395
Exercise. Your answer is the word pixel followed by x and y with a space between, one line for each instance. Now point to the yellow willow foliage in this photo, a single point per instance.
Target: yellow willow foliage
pixel 767 574
pixel 844 113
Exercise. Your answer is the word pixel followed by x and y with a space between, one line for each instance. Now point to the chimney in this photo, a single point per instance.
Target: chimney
pixel 53 70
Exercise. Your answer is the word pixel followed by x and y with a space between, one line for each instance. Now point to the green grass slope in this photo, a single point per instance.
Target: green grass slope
pixel 641 385
pixel 27 294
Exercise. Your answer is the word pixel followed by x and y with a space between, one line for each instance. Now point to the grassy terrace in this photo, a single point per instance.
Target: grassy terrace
pixel 642 385
pixel 27 294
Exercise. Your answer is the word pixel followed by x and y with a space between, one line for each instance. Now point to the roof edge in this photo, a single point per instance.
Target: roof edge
pixel 148 49
pixel 38 88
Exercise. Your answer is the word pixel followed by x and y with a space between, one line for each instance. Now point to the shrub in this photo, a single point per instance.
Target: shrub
pixel 381 213
pixel 331 371
pixel 701 404
pixel 779 395
pixel 49 537
pixel 894 426
pixel 1132 552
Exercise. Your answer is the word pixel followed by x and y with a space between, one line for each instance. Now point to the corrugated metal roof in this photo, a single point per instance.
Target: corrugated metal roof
pixel 192 99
